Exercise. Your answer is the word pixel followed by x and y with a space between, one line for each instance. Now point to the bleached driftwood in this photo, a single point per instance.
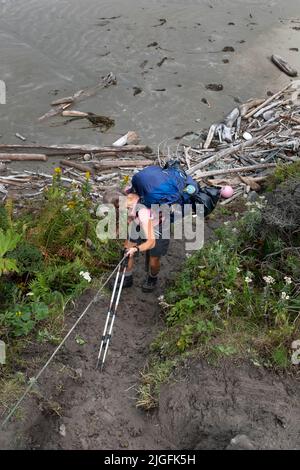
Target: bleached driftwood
pixel 78 166
pixel 267 101
pixel 23 157
pixel 67 149
pixel 241 169
pixel 122 163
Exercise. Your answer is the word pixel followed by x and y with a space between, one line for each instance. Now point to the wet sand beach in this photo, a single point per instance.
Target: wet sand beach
pixel 163 54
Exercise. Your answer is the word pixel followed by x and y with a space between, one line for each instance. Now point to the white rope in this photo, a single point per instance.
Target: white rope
pixel 35 379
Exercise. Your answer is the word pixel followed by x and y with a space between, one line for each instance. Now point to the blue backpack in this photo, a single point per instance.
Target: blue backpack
pixel 156 185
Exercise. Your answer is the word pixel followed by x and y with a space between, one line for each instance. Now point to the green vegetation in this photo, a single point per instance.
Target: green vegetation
pixel 48 256
pixel 238 297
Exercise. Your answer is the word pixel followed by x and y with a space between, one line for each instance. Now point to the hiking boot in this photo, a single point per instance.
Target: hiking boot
pixel 128 282
pixel 149 284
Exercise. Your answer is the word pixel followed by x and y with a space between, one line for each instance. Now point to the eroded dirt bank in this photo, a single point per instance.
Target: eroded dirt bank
pixel 207 406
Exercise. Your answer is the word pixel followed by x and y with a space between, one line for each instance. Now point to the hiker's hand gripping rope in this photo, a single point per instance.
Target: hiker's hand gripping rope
pixel 130 252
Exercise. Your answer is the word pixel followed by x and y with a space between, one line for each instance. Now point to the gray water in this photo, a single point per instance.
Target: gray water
pixel 52 48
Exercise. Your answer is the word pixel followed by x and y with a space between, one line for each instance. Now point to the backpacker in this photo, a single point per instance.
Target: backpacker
pixel 156 185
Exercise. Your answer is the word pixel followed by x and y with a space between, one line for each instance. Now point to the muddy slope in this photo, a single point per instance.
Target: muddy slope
pixel 208 406
pixel 97 411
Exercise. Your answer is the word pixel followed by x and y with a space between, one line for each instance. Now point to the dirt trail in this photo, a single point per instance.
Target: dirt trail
pixel 97 409
pixel 77 407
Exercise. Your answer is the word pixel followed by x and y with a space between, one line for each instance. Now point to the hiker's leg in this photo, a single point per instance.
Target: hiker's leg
pixel 154 265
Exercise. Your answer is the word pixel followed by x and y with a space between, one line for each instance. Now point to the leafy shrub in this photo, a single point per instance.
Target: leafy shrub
pixel 64 279
pixel 21 319
pixel 28 257
pixel 8 242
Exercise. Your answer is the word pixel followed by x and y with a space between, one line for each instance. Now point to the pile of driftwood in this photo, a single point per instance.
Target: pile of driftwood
pixel 252 139
pixel 103 165
pixel 238 151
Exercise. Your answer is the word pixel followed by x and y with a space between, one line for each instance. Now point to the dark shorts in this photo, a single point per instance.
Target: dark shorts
pixel 161 244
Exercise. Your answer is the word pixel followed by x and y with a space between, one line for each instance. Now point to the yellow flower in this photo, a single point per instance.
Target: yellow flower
pixel 126 179
pixel 71 204
pixel 57 170
pixel 87 175
pixel 18 314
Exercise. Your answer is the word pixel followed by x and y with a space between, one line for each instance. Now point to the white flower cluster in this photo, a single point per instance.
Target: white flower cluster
pixel 288 280
pixel 86 275
pixel 284 296
pixel 248 277
pixel 269 279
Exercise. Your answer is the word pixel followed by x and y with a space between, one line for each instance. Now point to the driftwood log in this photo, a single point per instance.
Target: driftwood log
pixel 64 103
pixel 240 169
pixel 69 149
pixel 267 101
pixel 122 163
pixel 77 166
pixel 23 157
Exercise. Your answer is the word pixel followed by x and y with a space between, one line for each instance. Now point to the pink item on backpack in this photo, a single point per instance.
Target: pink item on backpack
pixel 226 192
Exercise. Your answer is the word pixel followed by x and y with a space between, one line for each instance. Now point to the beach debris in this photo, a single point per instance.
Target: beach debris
pixel 137 90
pixel 159 64
pixel 214 86
pixel 238 151
pixel 74 113
pixel 64 103
pixel 204 100
pixel 153 44
pixel 247 136
pixel 162 21
pixel 130 138
pixel 20 136
pixel 23 157
pixel 122 163
pixel 284 66
pixel 228 49
pixel 77 166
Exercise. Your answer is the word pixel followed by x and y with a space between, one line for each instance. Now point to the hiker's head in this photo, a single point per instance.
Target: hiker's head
pixel 114 196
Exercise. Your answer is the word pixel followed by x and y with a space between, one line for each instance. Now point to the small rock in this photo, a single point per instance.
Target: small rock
pixel 268 115
pixel 78 373
pixel 252 196
pixel 247 136
pixel 62 430
pixel 240 442
pixel 296 344
pixel 86 157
